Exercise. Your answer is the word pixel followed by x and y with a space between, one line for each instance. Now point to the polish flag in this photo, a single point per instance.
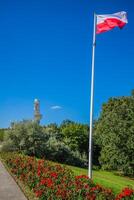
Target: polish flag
pixel 110 21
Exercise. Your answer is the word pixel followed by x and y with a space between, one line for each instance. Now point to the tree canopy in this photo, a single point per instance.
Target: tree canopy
pixel 114 132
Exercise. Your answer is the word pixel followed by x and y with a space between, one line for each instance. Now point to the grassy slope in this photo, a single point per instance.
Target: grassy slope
pixel 107 179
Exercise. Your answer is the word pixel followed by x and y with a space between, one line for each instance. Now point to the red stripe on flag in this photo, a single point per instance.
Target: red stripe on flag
pixel 109 24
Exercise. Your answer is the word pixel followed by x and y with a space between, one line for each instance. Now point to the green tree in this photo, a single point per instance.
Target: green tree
pixel 26 136
pixel 75 136
pixel 52 130
pixel 114 132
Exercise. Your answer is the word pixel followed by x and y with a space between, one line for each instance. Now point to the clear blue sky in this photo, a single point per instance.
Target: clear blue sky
pixel 45 53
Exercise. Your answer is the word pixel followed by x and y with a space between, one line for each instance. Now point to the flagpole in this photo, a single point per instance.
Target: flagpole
pixel 92 101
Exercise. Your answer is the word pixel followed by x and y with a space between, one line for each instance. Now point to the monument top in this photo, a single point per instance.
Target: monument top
pixel 36 100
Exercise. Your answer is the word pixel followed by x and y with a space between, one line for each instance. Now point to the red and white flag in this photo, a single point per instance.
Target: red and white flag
pixel 110 21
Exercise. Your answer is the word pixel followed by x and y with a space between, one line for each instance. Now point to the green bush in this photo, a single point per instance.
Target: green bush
pixel 58 151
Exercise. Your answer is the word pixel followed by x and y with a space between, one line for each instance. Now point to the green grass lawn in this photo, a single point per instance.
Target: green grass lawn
pixel 107 179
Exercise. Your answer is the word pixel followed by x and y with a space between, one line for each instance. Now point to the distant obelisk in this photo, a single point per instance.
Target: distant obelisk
pixel 37 115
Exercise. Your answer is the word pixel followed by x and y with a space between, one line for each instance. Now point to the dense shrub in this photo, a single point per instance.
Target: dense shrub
pixel 49 181
pixel 60 152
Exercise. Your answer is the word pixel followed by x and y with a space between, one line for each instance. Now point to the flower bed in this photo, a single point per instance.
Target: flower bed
pixel 126 193
pixel 54 182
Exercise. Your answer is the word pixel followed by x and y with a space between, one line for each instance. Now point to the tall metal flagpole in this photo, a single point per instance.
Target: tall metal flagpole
pixel 92 101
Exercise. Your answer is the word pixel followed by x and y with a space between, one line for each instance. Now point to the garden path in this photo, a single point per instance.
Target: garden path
pixel 9 190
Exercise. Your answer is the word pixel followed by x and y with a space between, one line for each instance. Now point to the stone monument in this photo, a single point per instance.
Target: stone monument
pixel 37 115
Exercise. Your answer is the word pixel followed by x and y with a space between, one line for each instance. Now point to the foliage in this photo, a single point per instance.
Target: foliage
pixel 114 132
pixel 2 131
pixel 58 151
pixel 75 135
pixel 52 130
pixel 25 136
pixel 32 139
pixel 49 181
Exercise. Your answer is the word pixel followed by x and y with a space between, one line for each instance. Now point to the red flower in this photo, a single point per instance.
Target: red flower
pixel 54 175
pixel 47 181
pixel 38 193
pixel 39 172
pixel 43 182
pixel 82 176
pixel 93 189
pixel 86 186
pixel 128 191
